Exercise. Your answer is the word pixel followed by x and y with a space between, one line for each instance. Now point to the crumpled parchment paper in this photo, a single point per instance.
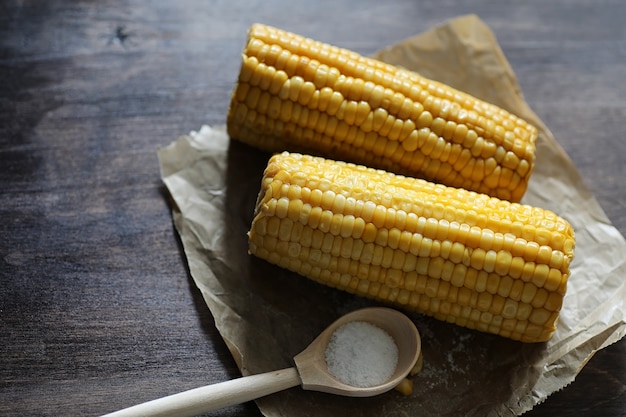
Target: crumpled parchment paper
pixel 267 315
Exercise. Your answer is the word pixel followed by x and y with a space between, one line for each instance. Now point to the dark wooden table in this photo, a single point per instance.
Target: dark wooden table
pixel 97 307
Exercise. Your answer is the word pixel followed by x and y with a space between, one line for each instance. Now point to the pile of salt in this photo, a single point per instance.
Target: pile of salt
pixel 361 354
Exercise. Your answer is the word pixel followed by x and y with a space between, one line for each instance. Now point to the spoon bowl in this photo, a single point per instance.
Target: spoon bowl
pixel 311 372
pixel 311 362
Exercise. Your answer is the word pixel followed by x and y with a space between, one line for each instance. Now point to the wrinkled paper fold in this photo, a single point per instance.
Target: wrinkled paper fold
pixel 267 315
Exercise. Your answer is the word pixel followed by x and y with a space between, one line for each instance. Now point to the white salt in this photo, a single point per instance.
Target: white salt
pixel 361 354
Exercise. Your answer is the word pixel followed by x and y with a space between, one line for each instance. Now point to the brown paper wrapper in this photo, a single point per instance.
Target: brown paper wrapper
pixel 267 315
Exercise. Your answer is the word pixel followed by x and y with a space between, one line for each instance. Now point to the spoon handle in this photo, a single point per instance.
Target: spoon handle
pixel 213 397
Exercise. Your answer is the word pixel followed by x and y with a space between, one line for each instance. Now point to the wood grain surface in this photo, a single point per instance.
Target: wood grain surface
pixel 97 308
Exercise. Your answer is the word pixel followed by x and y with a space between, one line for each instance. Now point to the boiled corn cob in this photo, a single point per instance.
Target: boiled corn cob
pixel 459 256
pixel 297 94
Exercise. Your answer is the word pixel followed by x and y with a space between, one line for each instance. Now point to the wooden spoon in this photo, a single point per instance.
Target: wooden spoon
pixel 310 372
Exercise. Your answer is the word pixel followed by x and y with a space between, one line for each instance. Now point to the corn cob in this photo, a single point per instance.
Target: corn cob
pixel 459 256
pixel 300 95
